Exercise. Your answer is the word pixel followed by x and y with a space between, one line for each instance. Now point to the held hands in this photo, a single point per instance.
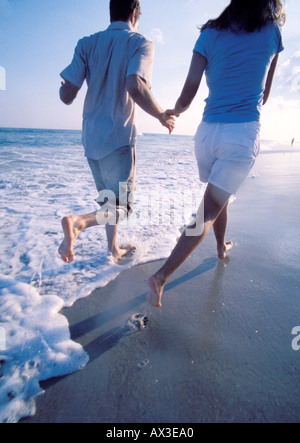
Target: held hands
pixel 167 118
pixel 168 121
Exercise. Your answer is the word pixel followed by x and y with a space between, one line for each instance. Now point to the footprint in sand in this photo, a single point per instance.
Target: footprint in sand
pixel 136 322
pixel 143 364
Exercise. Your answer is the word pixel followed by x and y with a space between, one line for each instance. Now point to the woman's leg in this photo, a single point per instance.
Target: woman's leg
pixel 220 228
pixel 214 202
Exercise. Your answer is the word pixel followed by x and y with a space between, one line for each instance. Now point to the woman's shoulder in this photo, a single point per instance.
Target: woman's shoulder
pixel 208 34
pixel 273 31
pixel 272 27
pixel 209 31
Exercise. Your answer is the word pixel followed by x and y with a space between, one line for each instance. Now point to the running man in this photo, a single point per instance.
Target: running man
pixel 117 66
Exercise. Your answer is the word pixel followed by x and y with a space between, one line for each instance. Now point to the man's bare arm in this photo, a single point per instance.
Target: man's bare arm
pixel 142 95
pixel 270 79
pixel 68 92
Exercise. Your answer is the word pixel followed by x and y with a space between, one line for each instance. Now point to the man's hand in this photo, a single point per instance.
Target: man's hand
pixel 68 92
pixel 167 121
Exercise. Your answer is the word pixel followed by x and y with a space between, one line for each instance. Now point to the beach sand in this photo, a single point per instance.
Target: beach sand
pixel 220 349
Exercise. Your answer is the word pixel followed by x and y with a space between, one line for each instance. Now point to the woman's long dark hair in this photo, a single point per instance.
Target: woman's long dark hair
pixel 248 15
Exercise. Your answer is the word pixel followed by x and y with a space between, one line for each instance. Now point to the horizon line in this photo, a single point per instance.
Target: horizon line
pixel 139 134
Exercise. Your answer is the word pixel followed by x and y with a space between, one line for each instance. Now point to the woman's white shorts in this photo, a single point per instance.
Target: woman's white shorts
pixel 226 153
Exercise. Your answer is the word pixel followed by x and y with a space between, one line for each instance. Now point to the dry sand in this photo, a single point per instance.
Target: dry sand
pixel 220 349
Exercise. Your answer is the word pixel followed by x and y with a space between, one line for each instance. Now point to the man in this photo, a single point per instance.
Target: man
pixel 117 65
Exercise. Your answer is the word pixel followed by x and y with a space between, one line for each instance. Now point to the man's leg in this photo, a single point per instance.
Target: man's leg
pixel 108 173
pixel 73 226
pixel 215 201
pixel 220 228
pixel 113 248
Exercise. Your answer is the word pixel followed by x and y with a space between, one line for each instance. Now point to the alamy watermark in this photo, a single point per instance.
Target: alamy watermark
pixel 157 207
pixel 2 339
pixel 2 79
pixel 296 340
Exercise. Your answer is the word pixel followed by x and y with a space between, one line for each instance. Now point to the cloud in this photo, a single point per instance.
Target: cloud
pixel 282 115
pixel 280 119
pixel 288 78
pixel 156 35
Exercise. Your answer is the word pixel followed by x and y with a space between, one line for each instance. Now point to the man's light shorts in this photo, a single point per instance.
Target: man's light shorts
pixel 114 176
pixel 226 153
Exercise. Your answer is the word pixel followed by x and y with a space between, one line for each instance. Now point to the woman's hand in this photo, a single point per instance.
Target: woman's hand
pixel 176 112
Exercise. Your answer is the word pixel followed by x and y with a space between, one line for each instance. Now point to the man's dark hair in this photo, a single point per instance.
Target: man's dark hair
pixel 120 10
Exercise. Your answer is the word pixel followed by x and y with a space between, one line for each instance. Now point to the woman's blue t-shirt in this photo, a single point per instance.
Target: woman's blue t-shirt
pixel 236 73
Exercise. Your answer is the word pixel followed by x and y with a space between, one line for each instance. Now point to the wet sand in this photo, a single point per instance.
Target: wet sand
pixel 220 349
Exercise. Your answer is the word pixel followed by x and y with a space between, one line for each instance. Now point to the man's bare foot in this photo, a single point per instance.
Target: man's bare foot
pixel 72 228
pixel 156 291
pixel 120 254
pixel 222 252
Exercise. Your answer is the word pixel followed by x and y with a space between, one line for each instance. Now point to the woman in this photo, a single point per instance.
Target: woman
pixel 239 53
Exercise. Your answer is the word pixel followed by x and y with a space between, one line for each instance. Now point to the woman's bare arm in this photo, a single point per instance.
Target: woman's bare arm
pixel 191 87
pixel 270 79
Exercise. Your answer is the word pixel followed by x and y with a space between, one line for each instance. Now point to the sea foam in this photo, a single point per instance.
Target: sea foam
pixel 38 347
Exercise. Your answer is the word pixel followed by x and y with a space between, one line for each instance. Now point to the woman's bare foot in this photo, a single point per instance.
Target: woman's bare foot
pixel 72 229
pixel 156 291
pixel 222 251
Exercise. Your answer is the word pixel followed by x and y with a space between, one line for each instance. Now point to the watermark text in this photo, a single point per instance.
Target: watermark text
pixel 296 340
pixel 157 207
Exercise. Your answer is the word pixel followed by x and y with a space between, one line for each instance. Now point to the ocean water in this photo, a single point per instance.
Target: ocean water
pixel 44 176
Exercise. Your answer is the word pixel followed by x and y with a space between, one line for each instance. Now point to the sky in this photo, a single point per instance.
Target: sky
pixel 38 38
